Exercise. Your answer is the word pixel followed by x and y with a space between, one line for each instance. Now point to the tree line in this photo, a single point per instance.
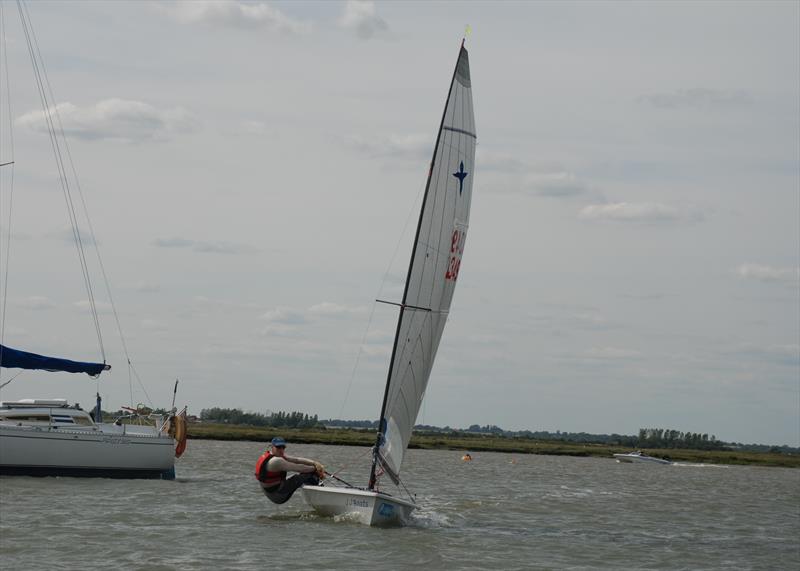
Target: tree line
pixel 668 438
pixel 280 419
pixel 647 437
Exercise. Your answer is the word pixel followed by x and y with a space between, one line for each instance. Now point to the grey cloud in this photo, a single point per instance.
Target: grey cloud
pixel 114 119
pixel 642 212
pixel 205 247
pixel 233 14
pixel 102 307
pixel 788 355
pixel 362 19
pixel 329 309
pixel 223 248
pixel 698 98
pixel 146 287
pixel 610 353
pixel 35 303
pixel 768 273
pixel 409 146
pixel 173 243
pixel 284 316
pixel 68 235
pixel 508 173
pixel 557 185
pixel 492 161
pixel 154 325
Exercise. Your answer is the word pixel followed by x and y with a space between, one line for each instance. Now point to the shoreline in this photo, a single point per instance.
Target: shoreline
pixel 485 443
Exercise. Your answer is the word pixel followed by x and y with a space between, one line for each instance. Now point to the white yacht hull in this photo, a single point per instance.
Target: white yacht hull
pixel 363 506
pixel 639 458
pixel 103 451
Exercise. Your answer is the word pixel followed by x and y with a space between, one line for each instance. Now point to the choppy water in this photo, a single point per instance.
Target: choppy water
pixel 541 512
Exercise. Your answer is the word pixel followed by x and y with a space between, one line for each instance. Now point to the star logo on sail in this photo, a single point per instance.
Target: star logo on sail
pixel 460 175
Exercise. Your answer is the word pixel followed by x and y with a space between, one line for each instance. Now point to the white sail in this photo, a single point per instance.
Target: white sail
pixel 433 272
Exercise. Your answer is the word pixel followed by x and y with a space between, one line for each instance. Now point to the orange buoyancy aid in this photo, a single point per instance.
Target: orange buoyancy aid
pixel 268 479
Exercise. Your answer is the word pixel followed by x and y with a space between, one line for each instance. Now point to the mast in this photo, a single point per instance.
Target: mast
pixel 382 420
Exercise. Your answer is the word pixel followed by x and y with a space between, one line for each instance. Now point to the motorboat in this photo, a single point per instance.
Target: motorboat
pixel 639 456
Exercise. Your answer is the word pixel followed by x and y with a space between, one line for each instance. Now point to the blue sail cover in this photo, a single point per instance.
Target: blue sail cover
pixel 16 359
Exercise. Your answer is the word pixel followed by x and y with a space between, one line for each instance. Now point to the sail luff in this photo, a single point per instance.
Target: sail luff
pixel 419 332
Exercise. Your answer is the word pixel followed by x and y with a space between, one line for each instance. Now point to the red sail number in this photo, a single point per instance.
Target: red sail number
pixel 456 249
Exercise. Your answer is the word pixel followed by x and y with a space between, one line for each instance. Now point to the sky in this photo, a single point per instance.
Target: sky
pixel 253 173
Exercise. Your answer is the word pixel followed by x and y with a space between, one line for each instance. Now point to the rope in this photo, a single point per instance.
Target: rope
pixel 410 497
pixel 11 379
pixel 410 217
pixel 11 187
pixel 48 111
pixel 92 234
pixel 351 463
pixel 144 390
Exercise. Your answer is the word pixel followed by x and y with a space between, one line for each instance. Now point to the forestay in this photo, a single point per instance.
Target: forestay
pixel 433 271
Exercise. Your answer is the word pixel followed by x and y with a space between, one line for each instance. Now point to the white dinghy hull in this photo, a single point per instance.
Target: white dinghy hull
pixel 364 506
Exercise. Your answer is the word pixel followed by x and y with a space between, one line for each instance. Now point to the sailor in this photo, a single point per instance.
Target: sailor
pixel 273 465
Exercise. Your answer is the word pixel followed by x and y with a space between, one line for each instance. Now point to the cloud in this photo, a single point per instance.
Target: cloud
pixel 102 307
pixel 495 161
pixel 173 243
pixel 776 354
pixel 35 303
pixel 334 309
pixel 362 19
pixel 588 320
pixel 279 330
pixel 559 184
pixel 644 212
pixel 115 119
pixel 610 353
pixel 376 350
pixel 253 128
pixel 223 248
pixel 698 98
pixel 284 316
pixel 146 287
pixel 511 174
pixel 233 14
pixel 769 274
pixel 68 235
pixel 154 325
pixel 414 146
pixel 205 247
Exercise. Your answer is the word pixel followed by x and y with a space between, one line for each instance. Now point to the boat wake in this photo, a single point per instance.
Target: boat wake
pixel 699 465
pixel 430 520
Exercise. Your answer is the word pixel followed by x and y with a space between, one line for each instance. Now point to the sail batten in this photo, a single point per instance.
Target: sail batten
pixel 433 270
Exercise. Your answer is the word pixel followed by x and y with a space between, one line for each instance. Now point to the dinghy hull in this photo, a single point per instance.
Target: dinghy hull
pixel 363 506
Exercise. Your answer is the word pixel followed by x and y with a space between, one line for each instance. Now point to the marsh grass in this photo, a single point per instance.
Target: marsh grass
pixel 484 443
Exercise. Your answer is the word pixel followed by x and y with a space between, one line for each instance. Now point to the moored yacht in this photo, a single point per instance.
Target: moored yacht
pixel 53 438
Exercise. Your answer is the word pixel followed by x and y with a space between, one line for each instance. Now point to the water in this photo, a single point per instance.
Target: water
pixel 540 512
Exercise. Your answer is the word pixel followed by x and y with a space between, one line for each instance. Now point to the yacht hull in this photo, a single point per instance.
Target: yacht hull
pixel 363 506
pixel 108 451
